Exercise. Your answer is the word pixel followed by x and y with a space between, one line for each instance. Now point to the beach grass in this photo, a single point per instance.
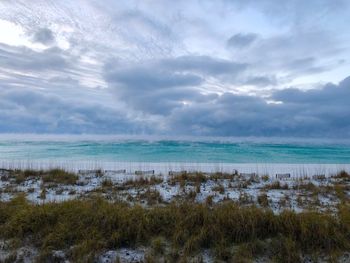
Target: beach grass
pixel 183 227
pixel 56 176
pixel 94 225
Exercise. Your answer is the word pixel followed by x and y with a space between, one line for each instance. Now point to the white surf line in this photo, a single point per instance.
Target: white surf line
pixel 295 170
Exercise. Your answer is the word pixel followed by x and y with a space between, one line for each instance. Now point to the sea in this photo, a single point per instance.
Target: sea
pixel 164 153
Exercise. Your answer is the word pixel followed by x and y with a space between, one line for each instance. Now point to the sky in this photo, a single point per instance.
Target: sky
pixel 186 67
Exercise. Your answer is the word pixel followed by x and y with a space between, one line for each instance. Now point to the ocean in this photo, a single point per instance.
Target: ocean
pixel 76 152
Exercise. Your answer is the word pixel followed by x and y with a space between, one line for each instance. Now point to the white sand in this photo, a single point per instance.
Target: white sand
pixel 165 167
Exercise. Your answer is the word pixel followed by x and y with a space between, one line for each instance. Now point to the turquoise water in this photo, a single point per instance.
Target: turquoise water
pixel 170 150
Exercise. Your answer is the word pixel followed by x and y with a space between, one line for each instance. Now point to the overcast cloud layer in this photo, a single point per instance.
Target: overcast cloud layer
pixel 218 68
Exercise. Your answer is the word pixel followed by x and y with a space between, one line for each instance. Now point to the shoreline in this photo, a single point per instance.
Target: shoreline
pixel 294 169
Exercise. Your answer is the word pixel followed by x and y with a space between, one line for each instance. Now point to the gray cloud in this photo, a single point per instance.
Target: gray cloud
pixel 329 94
pixel 241 40
pixel 44 36
pixel 22 58
pixel 204 65
pixel 314 113
pixel 182 69
pixel 151 89
pixel 261 81
pixel 159 86
pixel 174 93
pixel 34 111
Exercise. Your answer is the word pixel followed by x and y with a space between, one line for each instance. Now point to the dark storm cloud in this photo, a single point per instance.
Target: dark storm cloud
pixel 33 111
pixel 318 112
pixel 151 89
pixel 329 94
pixel 172 91
pixel 321 112
pixel 157 87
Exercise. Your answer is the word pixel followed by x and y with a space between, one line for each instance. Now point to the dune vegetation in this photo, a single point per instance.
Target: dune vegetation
pixel 87 227
pixel 178 230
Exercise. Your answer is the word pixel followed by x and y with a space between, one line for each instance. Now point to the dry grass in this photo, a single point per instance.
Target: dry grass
pixel 151 196
pixel 107 183
pixel 54 176
pixel 94 225
pixel 143 181
pixel 276 185
pixel 263 200
pixel 184 178
pixel 59 176
pixel 219 188
pixel 342 175
pixel 222 176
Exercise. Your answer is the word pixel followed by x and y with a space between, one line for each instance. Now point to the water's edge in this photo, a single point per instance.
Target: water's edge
pixel 295 170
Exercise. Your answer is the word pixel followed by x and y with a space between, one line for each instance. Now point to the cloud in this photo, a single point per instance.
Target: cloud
pixel 37 112
pixel 261 81
pixel 189 68
pixel 151 89
pixel 321 112
pixel 314 113
pixel 26 59
pixel 204 65
pixel 159 86
pixel 44 36
pixel 241 40
pixel 329 94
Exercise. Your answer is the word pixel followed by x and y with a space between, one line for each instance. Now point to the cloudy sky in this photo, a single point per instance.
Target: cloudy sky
pixel 186 67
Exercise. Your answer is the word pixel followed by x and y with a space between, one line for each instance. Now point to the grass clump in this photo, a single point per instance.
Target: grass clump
pixel 220 176
pixel 151 196
pixel 285 250
pixel 158 246
pixel 276 185
pixel 263 200
pixel 43 194
pixel 56 176
pixel 21 176
pixel 244 198
pixel 265 177
pixel 143 181
pixel 342 175
pixel 188 178
pixel 306 186
pixel 246 252
pixel 59 176
pixel 219 188
pixel 107 183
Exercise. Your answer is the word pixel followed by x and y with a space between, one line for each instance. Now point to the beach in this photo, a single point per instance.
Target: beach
pixel 37 194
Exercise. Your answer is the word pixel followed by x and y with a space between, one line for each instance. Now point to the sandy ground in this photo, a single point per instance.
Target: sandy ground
pixel 304 192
